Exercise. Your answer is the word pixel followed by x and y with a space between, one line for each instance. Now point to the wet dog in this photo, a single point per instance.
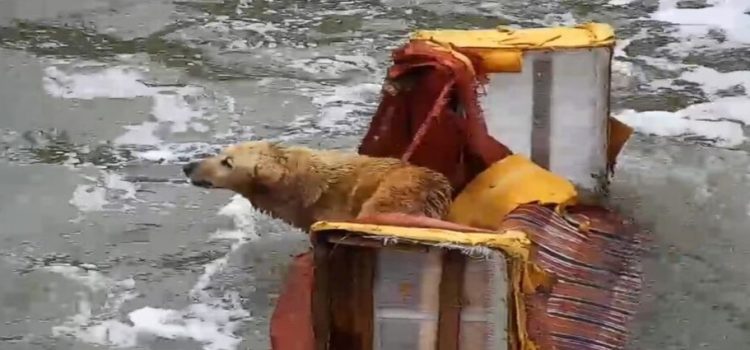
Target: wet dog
pixel 300 185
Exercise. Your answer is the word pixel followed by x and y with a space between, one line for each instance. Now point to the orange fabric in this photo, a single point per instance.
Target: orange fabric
pixel 429 114
pixel 291 322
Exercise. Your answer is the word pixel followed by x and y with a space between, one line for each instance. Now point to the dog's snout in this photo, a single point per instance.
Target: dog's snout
pixel 189 168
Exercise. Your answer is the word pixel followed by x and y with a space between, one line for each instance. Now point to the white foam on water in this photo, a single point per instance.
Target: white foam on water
pixel 223 25
pixel 172 107
pixel 96 82
pixel 719 121
pixel 726 15
pixel 89 198
pixel 559 19
pixel 712 80
pixel 622 71
pixel 143 134
pixel 90 278
pixel 95 327
pixel 241 5
pixel 172 152
pixel 209 320
pixel 175 109
pixel 106 192
pixel 347 12
pixel 736 108
pixel 243 217
pixel 334 66
pixel 115 182
pixel 325 66
pixel 336 106
pixel 258 27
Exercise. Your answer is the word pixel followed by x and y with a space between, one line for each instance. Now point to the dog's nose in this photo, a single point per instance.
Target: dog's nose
pixel 189 168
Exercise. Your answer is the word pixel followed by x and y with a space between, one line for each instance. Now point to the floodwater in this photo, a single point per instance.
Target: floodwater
pixel 103 245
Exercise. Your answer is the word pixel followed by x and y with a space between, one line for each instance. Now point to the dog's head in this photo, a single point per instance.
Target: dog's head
pixel 240 167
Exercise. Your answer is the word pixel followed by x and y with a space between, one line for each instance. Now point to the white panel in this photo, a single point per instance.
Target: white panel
pixel 406 299
pixel 579 121
pixel 484 316
pixel 507 110
pixel 578 111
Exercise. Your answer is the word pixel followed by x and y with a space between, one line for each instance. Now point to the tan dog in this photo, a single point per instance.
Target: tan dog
pixel 301 185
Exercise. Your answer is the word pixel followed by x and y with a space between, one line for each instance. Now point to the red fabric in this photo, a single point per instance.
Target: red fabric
pixel 419 117
pixel 291 322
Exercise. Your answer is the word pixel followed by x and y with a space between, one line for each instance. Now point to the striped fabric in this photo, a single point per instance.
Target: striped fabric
pixel 597 272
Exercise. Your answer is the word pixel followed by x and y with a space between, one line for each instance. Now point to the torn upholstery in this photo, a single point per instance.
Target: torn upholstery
pixel 429 114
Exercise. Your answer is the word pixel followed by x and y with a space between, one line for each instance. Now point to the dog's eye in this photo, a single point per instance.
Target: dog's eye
pixel 227 162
